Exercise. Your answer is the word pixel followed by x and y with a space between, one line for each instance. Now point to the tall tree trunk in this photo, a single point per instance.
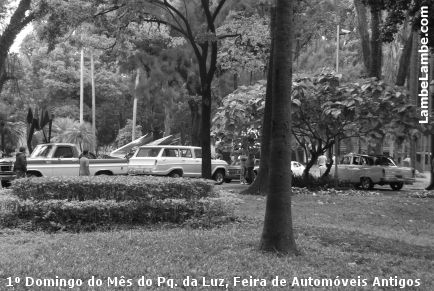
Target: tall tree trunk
pixel 277 234
pixel 260 185
pixel 431 185
pixel 413 84
pixel 404 61
pixel 362 27
pixel 206 133
pixel 195 122
pixel 376 43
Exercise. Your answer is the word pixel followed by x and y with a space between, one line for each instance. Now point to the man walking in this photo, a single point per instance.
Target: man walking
pixel 84 164
pixel 20 165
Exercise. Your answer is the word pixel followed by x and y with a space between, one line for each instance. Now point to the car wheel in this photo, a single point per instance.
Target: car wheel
pixel 6 183
pixel 175 175
pixel 366 183
pixel 219 177
pixel 396 186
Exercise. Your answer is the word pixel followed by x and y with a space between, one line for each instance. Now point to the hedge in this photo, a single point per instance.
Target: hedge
pixel 118 188
pixel 83 215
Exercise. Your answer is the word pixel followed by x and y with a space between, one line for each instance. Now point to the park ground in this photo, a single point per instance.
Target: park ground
pixel 366 236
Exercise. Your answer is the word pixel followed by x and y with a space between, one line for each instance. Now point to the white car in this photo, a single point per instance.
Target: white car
pixel 173 161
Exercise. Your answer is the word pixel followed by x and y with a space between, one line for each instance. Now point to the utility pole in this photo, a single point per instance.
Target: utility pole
pixel 81 85
pixel 133 134
pixel 92 72
pixel 337 72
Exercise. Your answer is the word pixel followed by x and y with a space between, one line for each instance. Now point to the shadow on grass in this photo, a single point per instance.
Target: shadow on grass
pixel 362 243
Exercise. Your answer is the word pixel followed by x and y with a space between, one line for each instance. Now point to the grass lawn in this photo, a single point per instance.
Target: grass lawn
pixel 364 238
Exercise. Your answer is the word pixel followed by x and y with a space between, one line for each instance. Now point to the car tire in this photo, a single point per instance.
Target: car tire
pixel 219 177
pixel 175 174
pixel 396 186
pixel 366 183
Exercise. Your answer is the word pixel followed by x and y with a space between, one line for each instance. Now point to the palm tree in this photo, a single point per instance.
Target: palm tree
pixel 13 133
pixel 277 234
pixel 71 131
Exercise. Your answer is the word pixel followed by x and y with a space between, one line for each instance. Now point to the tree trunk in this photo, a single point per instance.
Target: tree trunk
pixel 404 61
pixel 195 122
pixel 260 185
pixel 277 234
pixel 206 133
pixel 362 27
pixel 413 83
pixel 376 44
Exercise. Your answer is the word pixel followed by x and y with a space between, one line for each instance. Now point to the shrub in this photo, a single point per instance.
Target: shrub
pixel 118 188
pixel 87 215
pixel 318 183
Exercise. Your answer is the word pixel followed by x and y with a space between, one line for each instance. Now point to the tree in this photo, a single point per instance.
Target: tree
pixel 277 234
pixel 193 20
pixel 22 15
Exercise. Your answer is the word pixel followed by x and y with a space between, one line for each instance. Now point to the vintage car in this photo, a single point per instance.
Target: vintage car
pixel 173 161
pixel 60 159
pixel 365 171
pixel 234 171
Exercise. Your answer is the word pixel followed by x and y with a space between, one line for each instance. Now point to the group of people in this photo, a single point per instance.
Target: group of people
pixel 247 164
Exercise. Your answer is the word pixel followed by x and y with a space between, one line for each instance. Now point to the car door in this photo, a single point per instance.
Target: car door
pixel 197 164
pixel 188 162
pixel 64 163
pixel 170 160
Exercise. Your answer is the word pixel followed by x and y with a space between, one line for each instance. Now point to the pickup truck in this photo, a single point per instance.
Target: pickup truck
pixel 364 171
pixel 61 159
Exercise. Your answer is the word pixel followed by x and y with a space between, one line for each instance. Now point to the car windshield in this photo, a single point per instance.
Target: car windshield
pixel 384 161
pixel 148 152
pixel 41 151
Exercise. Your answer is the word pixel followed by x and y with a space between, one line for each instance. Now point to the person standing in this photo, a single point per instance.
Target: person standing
pixel 84 164
pixel 243 159
pixel 20 165
pixel 250 165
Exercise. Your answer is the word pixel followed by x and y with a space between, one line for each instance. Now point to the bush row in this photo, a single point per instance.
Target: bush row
pixel 85 215
pixel 118 188
pixel 318 183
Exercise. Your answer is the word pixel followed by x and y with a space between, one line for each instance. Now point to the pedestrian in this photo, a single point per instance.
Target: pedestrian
pixel 322 160
pixel 84 164
pixel 20 165
pixel 243 172
pixel 250 164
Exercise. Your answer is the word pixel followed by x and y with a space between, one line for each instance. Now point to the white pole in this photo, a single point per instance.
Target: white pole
pixel 92 71
pixel 81 85
pixel 133 134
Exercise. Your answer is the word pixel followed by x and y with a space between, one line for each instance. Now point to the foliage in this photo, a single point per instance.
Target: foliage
pixel 119 188
pixel 248 48
pixel 125 133
pixel 71 131
pixel 237 123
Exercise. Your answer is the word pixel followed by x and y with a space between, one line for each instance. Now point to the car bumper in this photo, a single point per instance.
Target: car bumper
pixel 388 180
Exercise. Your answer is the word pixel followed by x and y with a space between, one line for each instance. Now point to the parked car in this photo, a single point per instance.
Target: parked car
pixel 60 159
pixel 365 171
pixel 174 161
